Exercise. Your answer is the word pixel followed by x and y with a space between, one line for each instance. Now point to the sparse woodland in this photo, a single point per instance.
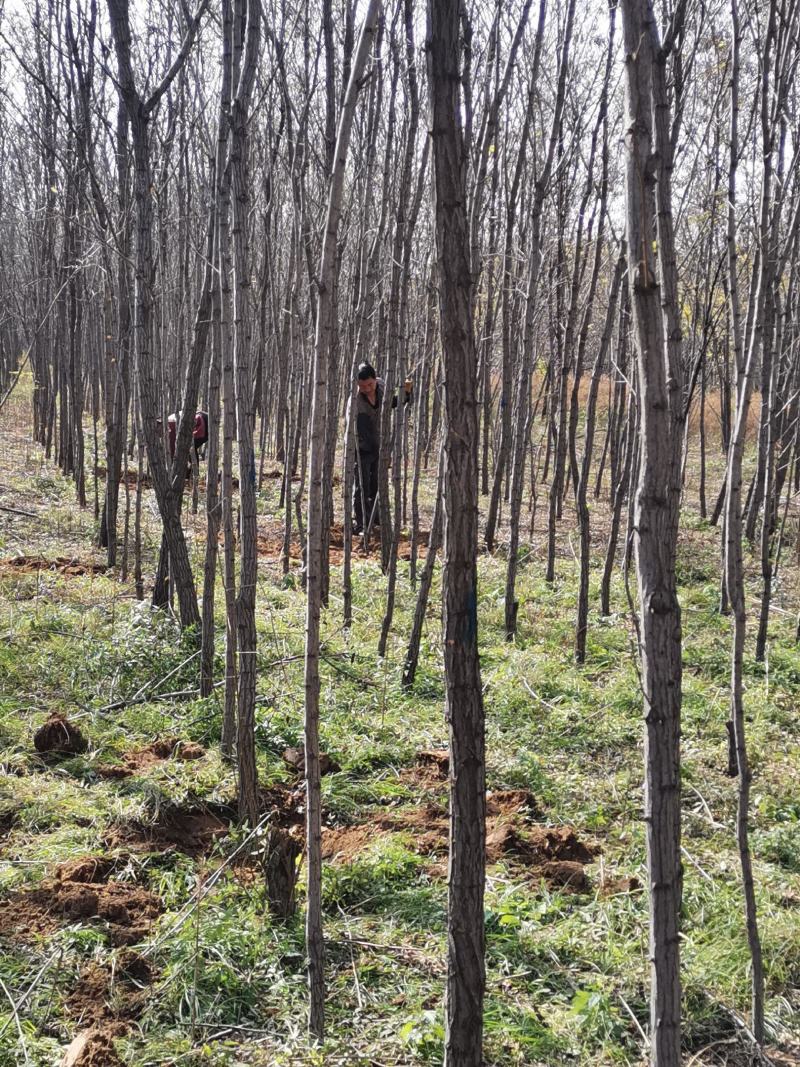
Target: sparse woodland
pixel 509 777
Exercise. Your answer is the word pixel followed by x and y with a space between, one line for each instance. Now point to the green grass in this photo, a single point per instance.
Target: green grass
pixel 567 973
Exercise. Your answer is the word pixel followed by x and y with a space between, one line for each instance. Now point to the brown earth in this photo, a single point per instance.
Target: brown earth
pixel 343 844
pixel 435 761
pixel 552 853
pixel 295 758
pixel 139 759
pixel 193 831
pixel 287 803
pixel 79 892
pixel 60 737
pixel 196 830
pixel 68 565
pixel 105 992
pixel 95 1047
pixel 270 546
pixel 611 887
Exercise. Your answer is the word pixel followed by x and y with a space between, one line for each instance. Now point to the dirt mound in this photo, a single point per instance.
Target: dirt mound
pixel 427 823
pixel 554 854
pixel 536 845
pixel 89 869
pixel 105 992
pixel 434 762
pixel 344 844
pixel 163 748
pixel 612 887
pixel 193 831
pixel 68 565
pixel 126 909
pixel 295 758
pixel 288 806
pixel 59 737
pixel 95 1047
pixel 511 802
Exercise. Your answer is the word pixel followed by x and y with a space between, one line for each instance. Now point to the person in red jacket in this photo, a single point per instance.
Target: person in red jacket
pixel 199 433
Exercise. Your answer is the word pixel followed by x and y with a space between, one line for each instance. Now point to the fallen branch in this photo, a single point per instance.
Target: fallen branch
pixel 19 511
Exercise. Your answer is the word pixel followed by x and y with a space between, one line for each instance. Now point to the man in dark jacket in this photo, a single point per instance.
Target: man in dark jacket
pixel 368 403
pixel 368 434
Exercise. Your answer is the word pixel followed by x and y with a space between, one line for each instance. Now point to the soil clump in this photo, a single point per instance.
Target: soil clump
pixel 58 737
pixel 163 748
pixel 104 992
pixel 70 566
pixel 80 892
pixel 95 1047
pixel 554 854
pixel 433 763
pixel 193 831
pixel 295 759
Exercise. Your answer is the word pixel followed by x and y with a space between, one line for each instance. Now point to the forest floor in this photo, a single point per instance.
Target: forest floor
pixel 134 925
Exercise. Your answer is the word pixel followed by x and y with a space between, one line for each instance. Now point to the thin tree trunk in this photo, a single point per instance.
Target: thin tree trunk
pixel 466 977
pixel 319 414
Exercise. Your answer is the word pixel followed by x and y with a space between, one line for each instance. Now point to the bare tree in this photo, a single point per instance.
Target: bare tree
pixel 319 416
pixel 657 338
pixel 466 976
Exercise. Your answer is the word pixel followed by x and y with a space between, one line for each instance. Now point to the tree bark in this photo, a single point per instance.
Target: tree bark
pixel 466 976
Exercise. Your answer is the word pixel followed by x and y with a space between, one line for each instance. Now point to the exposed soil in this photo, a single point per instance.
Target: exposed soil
pixel 511 802
pixel 270 546
pixel 59 737
pixel 95 1047
pixel 434 762
pixel 287 804
pixel 343 844
pixel 612 887
pixel 104 992
pixel 295 758
pixel 552 853
pixel 193 831
pixel 139 759
pixel 68 565
pixel 80 892
pixel 543 843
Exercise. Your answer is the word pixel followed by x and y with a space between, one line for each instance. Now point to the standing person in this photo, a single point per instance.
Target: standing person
pixel 368 436
pixel 369 401
pixel 199 433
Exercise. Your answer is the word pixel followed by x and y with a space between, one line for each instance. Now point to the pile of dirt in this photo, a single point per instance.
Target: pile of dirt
pixel 511 802
pixel 295 759
pixel 104 992
pixel 95 1047
pixel 139 759
pixel 427 823
pixel 345 843
pixel 68 565
pixel 193 831
pixel 287 805
pixel 431 765
pixel 554 854
pixel 80 892
pixel 612 887
pixel 59 737
pixel 270 546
